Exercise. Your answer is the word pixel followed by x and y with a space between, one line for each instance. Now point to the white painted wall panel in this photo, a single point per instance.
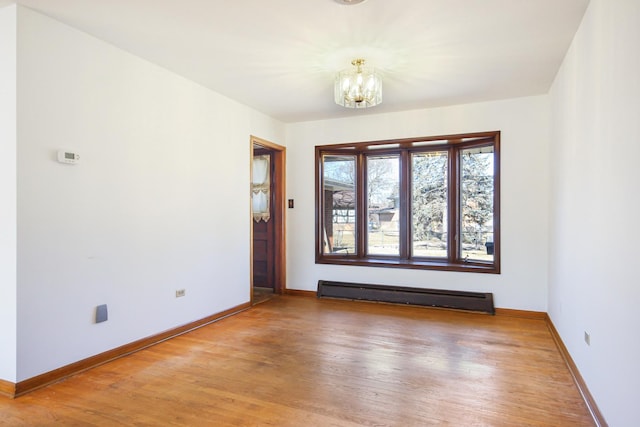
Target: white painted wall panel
pixel 8 193
pixel 158 202
pixel 524 198
pixel 595 205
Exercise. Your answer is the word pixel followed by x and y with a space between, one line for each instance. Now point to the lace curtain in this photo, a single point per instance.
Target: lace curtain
pixel 260 189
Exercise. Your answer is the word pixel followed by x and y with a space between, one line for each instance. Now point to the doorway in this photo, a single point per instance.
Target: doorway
pixel 267 220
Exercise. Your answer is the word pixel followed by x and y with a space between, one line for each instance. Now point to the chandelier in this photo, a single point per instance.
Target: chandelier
pixel 358 87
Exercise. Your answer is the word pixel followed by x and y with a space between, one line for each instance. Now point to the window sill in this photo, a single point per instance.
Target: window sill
pixel 411 264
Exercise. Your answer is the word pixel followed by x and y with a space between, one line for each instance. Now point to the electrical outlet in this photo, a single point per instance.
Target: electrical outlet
pixel 180 293
pixel 587 338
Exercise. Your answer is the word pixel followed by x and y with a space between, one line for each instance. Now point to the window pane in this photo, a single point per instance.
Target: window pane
pixel 476 204
pixel 339 216
pixel 383 197
pixel 429 204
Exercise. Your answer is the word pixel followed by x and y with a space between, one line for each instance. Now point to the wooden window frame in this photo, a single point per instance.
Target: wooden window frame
pixel 453 144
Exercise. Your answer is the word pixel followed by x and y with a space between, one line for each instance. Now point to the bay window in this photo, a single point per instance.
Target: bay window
pixel 430 203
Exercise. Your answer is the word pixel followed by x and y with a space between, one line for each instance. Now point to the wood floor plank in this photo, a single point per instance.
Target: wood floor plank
pixel 295 361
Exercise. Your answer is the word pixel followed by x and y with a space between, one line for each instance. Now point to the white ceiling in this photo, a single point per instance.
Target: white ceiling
pixel 281 56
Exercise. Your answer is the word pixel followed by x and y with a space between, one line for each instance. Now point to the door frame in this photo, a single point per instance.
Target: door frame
pixel 279 216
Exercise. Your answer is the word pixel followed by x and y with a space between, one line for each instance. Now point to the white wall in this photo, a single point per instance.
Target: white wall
pixel 159 201
pixel 524 197
pixel 595 229
pixel 8 193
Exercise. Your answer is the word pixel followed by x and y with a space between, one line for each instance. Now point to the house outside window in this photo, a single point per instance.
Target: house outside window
pixel 428 203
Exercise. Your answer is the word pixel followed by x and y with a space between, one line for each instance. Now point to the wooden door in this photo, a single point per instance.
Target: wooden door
pixel 264 237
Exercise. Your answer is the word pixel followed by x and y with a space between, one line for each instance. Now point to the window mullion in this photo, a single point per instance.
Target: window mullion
pixel 362 216
pixel 405 205
pixel 320 204
pixel 454 237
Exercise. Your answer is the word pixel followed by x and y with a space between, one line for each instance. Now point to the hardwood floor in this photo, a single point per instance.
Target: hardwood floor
pixel 296 361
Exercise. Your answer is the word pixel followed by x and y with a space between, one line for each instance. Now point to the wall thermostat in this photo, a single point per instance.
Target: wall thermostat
pixel 68 157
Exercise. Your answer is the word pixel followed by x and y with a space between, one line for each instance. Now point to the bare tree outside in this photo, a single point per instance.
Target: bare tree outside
pixel 383 188
pixel 476 203
pixel 429 204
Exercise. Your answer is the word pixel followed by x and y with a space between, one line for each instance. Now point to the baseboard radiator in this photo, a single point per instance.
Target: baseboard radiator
pixel 460 300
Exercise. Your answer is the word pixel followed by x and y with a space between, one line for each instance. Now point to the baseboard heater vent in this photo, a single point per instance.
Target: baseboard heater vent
pixel 473 301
